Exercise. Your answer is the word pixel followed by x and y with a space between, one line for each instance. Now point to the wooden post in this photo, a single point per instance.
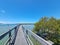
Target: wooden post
pixel 10 38
pixel 15 33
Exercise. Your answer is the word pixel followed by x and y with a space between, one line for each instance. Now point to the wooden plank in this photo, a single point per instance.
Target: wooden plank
pixel 20 39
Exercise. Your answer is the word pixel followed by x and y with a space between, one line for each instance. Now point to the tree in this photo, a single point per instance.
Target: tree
pixel 53 26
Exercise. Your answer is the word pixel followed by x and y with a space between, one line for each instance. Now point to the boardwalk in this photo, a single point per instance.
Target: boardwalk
pixel 20 39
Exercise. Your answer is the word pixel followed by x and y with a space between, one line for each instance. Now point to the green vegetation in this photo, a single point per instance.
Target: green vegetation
pixel 50 27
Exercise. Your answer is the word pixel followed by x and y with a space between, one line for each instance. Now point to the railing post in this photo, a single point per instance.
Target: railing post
pixel 15 34
pixel 10 38
pixel 16 29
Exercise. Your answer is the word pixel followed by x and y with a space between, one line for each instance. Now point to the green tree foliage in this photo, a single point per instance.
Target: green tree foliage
pixel 51 26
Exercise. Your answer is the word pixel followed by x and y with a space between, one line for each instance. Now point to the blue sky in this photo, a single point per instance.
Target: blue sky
pixel 18 11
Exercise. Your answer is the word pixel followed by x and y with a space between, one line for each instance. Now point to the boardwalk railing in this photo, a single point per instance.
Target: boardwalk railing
pixel 11 37
pixel 35 38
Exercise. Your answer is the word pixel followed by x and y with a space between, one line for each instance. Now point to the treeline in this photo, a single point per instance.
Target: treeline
pixel 50 27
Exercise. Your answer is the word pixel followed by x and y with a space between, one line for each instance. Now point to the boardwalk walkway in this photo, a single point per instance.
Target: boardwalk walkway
pixel 20 39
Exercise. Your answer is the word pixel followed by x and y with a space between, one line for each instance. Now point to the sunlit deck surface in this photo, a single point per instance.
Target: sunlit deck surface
pixel 20 39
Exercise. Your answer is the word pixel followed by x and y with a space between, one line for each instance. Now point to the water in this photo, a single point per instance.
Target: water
pixel 30 27
pixel 5 27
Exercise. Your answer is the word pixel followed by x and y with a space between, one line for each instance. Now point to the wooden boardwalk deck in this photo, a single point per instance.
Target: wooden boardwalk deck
pixel 20 39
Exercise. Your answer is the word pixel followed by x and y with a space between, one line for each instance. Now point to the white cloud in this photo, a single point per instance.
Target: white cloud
pixel 2 11
pixel 7 22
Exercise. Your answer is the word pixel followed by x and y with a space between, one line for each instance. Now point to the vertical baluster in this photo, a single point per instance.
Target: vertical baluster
pixel 10 38
pixel 15 33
